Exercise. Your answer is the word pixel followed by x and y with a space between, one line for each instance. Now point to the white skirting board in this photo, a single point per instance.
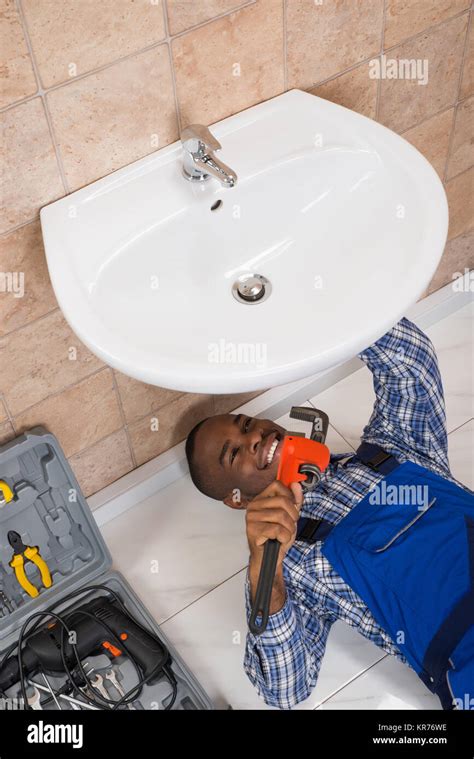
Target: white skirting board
pixel 156 474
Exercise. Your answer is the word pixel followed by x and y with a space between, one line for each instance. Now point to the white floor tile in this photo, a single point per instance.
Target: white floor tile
pixel 210 636
pixel 349 405
pixel 461 454
pixel 453 339
pixel 388 685
pixel 196 543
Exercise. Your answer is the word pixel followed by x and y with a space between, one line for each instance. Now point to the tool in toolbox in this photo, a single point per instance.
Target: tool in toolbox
pixel 74 702
pixel 5 601
pixel 94 623
pixel 30 553
pixel 110 675
pixel 50 515
pixel 6 494
pixel 34 698
pixel 302 460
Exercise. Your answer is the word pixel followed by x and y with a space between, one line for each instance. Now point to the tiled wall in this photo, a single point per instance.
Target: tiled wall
pixel 88 84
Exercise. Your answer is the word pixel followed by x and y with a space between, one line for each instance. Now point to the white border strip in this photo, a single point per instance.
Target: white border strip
pixel 169 466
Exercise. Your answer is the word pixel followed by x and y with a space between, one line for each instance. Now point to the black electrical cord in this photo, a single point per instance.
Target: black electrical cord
pixel 128 697
pixel 114 636
pixel 169 674
pixel 20 654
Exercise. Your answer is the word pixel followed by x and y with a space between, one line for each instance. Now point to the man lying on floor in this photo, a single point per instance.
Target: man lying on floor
pixel 399 570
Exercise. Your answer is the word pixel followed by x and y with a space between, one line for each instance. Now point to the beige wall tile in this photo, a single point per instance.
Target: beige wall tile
pixel 460 192
pixel 458 255
pixel 183 14
pixel 103 463
pixel 88 34
pixel 325 39
pixel 223 404
pixel 354 90
pixel 467 83
pixel 114 117
pixel 206 60
pixel 31 176
pixel 139 399
pixel 79 416
pixel 431 138
pixel 404 102
pixel 36 361
pixel 405 18
pixel 18 79
pixel 22 255
pixel 7 433
pixel 462 149
pixel 175 420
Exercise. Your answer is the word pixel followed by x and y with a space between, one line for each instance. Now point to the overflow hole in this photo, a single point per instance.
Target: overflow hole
pixel 216 205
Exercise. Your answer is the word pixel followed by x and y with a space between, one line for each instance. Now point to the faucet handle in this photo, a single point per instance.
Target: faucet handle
pixel 200 134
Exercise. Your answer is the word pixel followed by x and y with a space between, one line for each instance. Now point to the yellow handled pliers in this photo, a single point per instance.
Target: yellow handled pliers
pixel 30 553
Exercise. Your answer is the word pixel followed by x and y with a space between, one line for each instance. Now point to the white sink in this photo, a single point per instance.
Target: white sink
pixel 346 220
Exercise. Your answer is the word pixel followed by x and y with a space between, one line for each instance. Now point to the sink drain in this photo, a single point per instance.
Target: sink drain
pixel 251 289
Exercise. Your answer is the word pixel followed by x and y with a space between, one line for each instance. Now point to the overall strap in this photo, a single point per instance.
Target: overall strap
pixel 312 530
pixel 376 458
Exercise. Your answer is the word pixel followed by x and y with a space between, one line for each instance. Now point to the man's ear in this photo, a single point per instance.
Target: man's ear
pixel 236 500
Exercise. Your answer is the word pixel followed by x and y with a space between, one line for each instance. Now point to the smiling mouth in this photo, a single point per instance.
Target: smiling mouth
pixel 270 449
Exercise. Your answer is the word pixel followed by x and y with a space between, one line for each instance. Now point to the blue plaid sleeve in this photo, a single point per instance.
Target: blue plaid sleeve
pixel 409 413
pixel 283 663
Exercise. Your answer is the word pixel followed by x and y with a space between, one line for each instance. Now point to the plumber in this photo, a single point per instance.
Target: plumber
pixel 401 573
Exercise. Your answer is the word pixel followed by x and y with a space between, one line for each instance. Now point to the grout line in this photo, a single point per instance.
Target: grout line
pixel 464 171
pixel 165 39
pixel 431 116
pixel 63 389
pixel 11 230
pixel 237 8
pixel 349 682
pixel 154 411
pixel 285 45
pixel 428 30
pixel 458 92
pixel 35 321
pixel 377 55
pixel 319 83
pixel 211 590
pixel 27 324
pixel 378 95
pixel 460 425
pixel 124 421
pixel 172 69
pixel 9 414
pixel 41 94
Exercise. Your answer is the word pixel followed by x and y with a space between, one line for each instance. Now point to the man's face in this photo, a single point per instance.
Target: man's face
pixel 239 453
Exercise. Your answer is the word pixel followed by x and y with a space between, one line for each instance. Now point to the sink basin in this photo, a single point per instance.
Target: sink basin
pixel 345 219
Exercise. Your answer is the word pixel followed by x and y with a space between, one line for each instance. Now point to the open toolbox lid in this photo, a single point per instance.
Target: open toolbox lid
pixel 49 511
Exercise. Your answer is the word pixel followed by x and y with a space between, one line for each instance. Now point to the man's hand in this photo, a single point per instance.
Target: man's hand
pixel 273 514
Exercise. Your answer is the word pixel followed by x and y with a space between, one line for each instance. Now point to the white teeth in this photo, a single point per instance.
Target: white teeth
pixel 271 452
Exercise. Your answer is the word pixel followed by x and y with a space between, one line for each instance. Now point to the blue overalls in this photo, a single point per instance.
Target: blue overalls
pixel 407 549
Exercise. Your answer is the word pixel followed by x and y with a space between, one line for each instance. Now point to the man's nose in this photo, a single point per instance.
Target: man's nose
pixel 253 439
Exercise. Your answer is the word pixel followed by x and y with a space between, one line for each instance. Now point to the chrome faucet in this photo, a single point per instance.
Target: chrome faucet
pixel 199 161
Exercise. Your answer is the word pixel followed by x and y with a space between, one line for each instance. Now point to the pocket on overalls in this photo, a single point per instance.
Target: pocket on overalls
pixel 387 526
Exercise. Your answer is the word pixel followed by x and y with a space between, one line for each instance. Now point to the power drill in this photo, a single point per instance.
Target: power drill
pixel 43 649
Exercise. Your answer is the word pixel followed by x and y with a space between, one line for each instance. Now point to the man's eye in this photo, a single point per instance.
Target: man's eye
pixel 247 424
pixel 233 455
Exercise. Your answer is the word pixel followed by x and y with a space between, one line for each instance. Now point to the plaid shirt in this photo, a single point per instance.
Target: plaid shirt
pixel 408 420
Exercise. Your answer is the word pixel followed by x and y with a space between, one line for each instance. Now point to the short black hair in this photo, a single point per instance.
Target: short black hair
pixel 197 475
